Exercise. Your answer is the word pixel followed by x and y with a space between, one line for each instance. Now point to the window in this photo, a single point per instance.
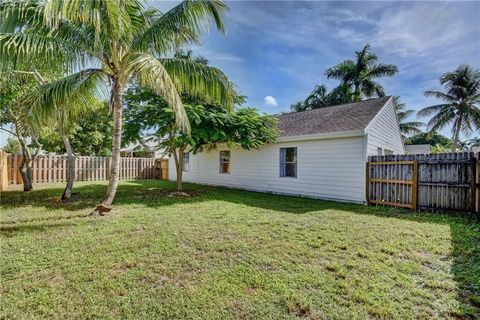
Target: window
pixel 225 162
pixel 387 152
pixel 379 151
pixel 186 161
pixel 288 162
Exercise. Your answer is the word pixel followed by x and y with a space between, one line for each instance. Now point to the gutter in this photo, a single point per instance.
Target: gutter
pixel 318 136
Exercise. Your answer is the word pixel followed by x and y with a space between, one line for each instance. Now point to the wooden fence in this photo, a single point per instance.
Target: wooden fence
pixel 435 182
pixel 52 168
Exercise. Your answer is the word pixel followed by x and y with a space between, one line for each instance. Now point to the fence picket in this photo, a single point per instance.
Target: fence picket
pixel 54 169
pixel 436 182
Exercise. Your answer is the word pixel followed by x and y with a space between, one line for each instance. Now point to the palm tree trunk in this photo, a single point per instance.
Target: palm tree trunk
pixel 116 107
pixel 357 96
pixel 67 193
pixel 456 134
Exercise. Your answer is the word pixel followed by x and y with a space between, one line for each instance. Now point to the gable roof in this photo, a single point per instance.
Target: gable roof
pixel 341 118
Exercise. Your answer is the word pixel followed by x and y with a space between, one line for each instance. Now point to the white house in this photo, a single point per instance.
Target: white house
pixel 320 153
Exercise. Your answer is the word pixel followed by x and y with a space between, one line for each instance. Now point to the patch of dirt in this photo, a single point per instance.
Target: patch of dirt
pixel 178 194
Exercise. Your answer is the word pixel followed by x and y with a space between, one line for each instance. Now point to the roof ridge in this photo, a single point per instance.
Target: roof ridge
pixel 332 106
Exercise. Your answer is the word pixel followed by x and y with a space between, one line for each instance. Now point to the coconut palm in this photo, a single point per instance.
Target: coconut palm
pixel 320 97
pixel 111 42
pixel 460 107
pixel 358 75
pixel 406 127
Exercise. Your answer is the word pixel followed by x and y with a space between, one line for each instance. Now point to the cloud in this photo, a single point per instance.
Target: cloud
pixel 270 101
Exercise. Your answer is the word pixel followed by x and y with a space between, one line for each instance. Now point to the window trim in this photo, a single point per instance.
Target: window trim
pixel 184 168
pixel 288 162
pixel 220 162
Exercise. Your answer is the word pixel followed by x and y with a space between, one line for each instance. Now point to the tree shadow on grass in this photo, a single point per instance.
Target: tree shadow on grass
pixel 11 230
pixel 465 230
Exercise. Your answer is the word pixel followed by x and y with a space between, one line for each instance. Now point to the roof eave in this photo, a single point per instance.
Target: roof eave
pixel 319 136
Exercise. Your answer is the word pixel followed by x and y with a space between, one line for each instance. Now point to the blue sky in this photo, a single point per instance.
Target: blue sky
pixel 280 49
pixel 277 51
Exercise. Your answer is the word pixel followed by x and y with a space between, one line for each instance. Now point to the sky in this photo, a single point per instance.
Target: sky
pixel 277 51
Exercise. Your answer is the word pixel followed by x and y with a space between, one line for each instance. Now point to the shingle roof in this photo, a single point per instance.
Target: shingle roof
pixel 340 118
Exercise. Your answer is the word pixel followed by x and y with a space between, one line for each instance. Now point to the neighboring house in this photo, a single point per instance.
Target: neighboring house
pixel 476 149
pixel 148 149
pixel 320 153
pixel 417 148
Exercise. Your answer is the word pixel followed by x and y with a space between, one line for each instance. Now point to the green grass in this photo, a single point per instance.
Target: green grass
pixel 224 254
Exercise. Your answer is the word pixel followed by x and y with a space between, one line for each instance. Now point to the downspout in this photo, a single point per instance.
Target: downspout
pixel 365 159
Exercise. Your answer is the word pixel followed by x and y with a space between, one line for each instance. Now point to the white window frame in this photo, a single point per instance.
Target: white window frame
pixel 186 164
pixel 283 170
pixel 220 162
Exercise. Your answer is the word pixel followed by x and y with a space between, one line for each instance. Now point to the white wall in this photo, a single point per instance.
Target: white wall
pixel 329 168
pixel 384 132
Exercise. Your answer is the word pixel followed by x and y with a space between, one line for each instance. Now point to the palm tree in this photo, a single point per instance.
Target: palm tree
pixel 111 42
pixel 406 127
pixel 320 97
pixel 357 75
pixel 474 142
pixel 460 107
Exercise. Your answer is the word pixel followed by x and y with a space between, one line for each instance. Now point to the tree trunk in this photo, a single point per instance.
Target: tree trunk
pixel 456 134
pixel 116 107
pixel 67 193
pixel 357 96
pixel 25 167
pixel 179 166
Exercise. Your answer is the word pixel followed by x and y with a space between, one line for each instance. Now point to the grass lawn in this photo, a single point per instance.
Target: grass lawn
pixel 224 254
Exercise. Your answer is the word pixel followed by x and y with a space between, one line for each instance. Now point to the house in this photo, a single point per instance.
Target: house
pixel 320 153
pixel 144 149
pixel 417 148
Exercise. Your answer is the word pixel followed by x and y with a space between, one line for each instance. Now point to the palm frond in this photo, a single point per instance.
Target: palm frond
pixel 75 91
pixel 427 111
pixel 200 80
pixel 439 95
pixel 441 119
pixel 181 24
pixel 151 73
pixel 382 70
pixel 341 71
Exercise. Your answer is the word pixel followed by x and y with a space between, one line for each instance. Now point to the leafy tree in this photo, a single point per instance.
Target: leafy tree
pixel 431 138
pixel 357 76
pixel 147 114
pixel 90 135
pixel 461 103
pixel 112 42
pixel 438 148
pixel 406 127
pixel 16 112
pixel 12 146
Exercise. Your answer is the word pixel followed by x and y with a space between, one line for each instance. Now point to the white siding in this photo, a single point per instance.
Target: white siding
pixel 383 132
pixel 329 169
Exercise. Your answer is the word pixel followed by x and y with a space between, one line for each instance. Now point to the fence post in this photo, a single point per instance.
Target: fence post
pixel 3 170
pixel 367 182
pixel 415 185
pixel 107 167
